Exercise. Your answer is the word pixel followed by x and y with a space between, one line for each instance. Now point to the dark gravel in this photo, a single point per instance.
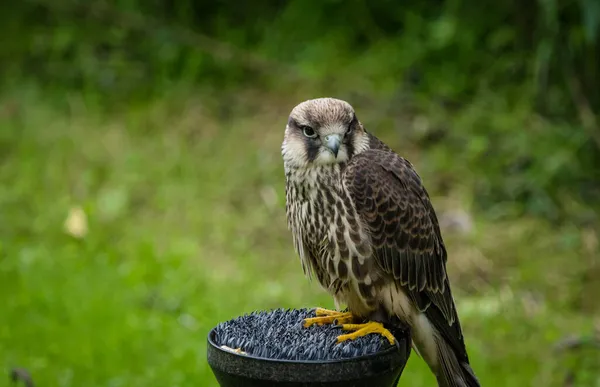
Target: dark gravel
pixel 279 334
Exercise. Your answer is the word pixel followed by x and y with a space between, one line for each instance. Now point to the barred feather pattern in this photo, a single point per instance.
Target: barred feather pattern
pixel 329 235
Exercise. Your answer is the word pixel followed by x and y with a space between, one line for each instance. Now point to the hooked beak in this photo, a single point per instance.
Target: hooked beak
pixel 332 142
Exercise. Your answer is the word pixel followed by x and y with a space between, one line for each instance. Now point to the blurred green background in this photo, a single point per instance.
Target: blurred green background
pixel 142 188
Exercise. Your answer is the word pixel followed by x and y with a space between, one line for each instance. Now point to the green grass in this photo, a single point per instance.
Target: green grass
pixel 186 228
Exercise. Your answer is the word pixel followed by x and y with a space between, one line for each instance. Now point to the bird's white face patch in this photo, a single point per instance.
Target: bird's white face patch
pixel 294 153
pixel 361 144
pixel 325 156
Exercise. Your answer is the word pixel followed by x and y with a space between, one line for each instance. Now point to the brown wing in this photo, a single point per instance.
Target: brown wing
pixel 405 235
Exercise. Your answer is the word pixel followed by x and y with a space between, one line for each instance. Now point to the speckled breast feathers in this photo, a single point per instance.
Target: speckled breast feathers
pixel 329 235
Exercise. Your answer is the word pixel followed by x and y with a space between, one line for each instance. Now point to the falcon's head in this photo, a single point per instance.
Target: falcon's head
pixel 322 131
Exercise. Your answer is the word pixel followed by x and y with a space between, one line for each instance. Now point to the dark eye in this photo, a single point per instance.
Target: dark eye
pixel 308 131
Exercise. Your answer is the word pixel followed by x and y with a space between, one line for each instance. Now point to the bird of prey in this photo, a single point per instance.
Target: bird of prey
pixel 363 224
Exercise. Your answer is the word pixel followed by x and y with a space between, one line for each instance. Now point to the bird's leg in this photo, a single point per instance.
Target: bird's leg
pixel 326 316
pixel 363 330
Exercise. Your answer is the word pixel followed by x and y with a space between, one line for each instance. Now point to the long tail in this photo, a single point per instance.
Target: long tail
pixel 448 360
pixel 452 372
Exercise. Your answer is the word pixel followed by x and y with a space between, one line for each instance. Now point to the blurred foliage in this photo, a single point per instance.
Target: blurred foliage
pixel 139 116
pixel 533 63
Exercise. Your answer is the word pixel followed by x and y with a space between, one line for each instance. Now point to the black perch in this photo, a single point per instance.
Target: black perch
pixel 272 348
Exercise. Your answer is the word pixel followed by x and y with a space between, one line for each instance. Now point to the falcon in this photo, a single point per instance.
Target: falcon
pixel 364 226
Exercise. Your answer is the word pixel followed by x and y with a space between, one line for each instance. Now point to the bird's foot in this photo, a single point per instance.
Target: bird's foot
pixel 326 316
pixel 363 330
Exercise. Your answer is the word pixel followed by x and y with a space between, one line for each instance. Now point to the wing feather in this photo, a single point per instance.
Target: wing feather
pixel 404 231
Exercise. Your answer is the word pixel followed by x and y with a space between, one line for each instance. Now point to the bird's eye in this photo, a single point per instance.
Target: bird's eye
pixel 308 131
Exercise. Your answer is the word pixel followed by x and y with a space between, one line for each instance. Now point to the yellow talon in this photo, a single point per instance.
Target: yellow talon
pixel 326 316
pixel 363 330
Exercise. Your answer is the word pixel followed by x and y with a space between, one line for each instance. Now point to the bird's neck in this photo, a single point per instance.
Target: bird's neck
pixel 315 174
pixel 307 182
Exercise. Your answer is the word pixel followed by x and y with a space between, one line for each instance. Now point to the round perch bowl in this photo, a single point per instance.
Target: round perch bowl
pixel 272 348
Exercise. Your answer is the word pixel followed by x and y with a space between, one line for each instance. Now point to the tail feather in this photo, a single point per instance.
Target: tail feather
pixel 452 372
pixel 447 360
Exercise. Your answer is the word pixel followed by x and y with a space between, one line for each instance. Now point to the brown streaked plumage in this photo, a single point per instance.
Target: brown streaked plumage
pixel 364 225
